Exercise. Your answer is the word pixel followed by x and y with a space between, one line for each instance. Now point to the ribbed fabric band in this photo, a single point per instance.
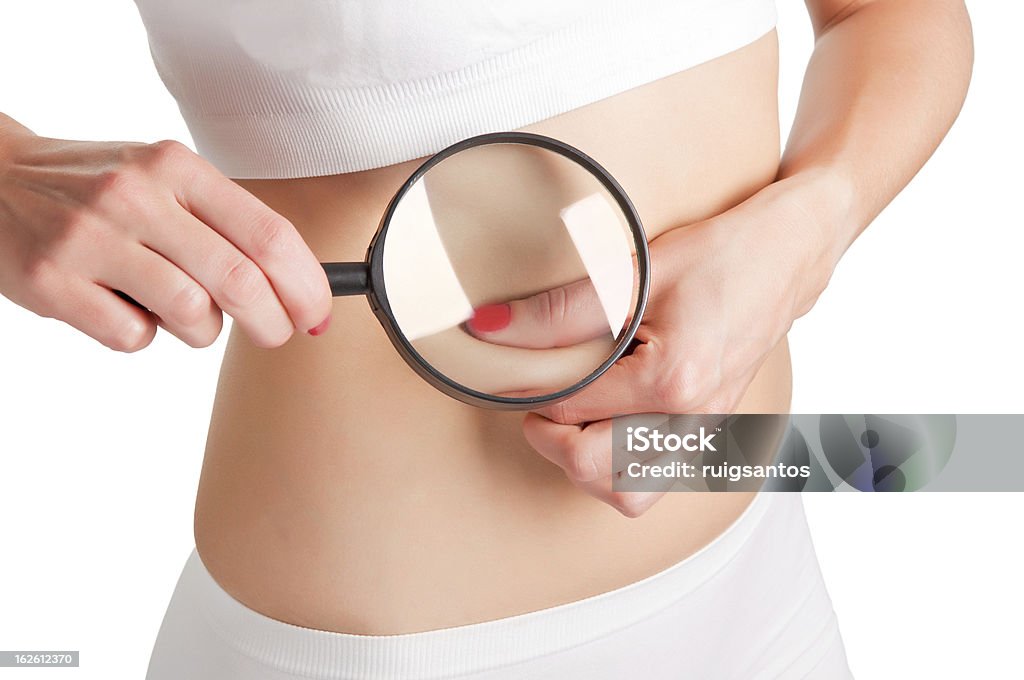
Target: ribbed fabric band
pixel 467 649
pixel 254 122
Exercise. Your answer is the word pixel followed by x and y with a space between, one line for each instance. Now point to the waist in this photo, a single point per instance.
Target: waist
pixel 341 492
pixel 672 619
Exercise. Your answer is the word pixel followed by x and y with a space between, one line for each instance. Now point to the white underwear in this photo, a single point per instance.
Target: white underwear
pixel 750 604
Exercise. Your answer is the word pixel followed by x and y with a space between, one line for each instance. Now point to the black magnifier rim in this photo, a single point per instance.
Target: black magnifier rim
pixel 377 294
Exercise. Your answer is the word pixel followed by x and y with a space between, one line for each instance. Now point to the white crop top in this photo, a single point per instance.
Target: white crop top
pixel 300 88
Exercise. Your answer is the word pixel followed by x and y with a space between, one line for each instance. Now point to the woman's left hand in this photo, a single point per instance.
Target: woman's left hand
pixel 723 294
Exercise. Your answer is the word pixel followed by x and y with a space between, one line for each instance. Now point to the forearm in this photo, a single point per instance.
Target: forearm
pixel 884 84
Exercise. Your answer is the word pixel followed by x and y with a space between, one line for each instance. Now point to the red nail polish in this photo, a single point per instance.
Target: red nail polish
pixel 490 318
pixel 319 330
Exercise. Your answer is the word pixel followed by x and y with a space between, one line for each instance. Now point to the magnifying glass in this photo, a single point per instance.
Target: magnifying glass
pixel 512 229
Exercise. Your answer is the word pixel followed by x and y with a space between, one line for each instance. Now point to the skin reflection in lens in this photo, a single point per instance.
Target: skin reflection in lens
pixel 504 222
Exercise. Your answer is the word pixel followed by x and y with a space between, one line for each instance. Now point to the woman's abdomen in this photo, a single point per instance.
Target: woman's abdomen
pixel 341 492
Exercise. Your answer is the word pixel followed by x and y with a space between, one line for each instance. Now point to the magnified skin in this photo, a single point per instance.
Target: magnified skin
pixel 511 371
pixel 497 209
pixel 373 503
pixel 500 221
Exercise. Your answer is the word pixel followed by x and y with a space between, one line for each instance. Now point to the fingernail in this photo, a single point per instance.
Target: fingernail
pixel 320 329
pixel 490 318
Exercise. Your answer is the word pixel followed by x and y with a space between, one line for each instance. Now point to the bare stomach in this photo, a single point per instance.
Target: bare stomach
pixel 341 492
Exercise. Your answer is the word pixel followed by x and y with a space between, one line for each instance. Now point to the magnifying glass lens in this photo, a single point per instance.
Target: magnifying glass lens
pixel 510 270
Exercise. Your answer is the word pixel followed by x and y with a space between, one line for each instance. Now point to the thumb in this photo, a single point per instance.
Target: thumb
pixel 567 315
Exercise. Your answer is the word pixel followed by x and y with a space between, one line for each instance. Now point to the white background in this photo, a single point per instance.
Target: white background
pixel 100 452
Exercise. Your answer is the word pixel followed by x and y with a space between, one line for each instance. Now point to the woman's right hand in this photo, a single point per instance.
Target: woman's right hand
pixel 80 220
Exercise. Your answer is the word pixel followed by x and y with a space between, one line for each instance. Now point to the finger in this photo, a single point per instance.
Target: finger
pixel 583 452
pixel 624 388
pixel 558 317
pixel 181 304
pixel 588 453
pixel 235 283
pixel 102 315
pixel 630 503
pixel 585 455
pixel 263 235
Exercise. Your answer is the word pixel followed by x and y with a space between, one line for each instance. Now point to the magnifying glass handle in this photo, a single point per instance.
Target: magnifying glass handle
pixel 348 278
